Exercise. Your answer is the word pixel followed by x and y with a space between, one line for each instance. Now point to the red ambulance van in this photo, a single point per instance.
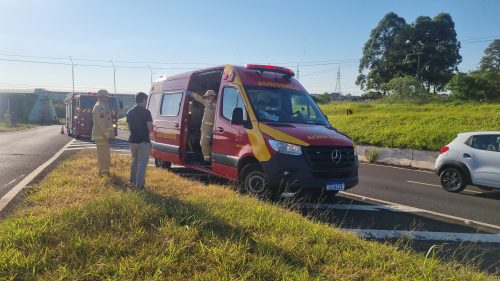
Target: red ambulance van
pixel 268 133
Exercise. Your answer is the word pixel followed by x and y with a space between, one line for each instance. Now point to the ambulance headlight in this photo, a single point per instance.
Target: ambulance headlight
pixel 285 148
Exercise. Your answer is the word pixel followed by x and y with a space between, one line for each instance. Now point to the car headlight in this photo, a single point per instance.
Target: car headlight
pixel 285 148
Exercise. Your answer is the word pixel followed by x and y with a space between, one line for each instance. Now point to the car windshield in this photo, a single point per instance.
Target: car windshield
pixel 285 106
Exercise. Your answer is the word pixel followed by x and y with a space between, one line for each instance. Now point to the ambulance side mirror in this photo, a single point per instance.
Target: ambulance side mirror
pixel 237 118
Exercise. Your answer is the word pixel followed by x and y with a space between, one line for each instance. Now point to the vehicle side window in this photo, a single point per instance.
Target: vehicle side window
pixel 171 103
pixel 485 142
pixel 232 99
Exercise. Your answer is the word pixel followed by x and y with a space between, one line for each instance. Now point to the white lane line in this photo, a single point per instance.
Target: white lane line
pixel 370 208
pixel 426 235
pixel 418 210
pixel 435 185
pixel 10 182
pixel 5 200
pixel 355 207
pixel 398 168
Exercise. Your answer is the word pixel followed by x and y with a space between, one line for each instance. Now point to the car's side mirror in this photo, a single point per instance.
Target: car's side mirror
pixel 237 117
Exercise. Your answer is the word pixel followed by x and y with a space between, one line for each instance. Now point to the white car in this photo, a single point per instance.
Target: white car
pixel 471 158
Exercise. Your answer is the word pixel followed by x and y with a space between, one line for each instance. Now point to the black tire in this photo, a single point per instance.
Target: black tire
pixel 162 164
pixel 254 182
pixel 453 179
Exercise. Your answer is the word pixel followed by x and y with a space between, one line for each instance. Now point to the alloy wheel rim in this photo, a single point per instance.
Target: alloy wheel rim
pixel 256 183
pixel 452 180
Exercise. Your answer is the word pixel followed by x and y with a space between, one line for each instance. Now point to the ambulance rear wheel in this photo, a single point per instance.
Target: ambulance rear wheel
pixel 254 182
pixel 162 164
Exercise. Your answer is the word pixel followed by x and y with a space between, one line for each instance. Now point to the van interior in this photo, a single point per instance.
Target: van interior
pixel 200 83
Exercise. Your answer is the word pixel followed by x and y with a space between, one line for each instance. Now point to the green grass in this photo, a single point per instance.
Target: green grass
pixel 77 226
pixel 414 126
pixel 19 126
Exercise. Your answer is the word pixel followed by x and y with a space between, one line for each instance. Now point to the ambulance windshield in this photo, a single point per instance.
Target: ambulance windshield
pixel 285 106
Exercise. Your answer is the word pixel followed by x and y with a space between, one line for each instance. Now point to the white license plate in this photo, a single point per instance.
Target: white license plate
pixel 335 186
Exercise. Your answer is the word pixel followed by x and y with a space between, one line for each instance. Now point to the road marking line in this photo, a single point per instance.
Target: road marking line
pixel 5 200
pixel 418 210
pixel 371 208
pixel 426 235
pixel 435 185
pixel 398 168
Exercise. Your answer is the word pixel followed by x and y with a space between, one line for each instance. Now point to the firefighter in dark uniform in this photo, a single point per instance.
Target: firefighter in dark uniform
pixel 103 131
pixel 207 123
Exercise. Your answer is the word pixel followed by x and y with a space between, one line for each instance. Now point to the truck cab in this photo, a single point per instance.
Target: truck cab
pixel 268 133
pixel 79 108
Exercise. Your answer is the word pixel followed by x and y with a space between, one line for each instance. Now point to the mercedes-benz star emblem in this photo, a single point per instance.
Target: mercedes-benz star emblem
pixel 336 156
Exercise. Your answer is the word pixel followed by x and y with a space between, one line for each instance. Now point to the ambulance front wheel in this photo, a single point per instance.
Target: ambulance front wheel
pixel 254 181
pixel 162 164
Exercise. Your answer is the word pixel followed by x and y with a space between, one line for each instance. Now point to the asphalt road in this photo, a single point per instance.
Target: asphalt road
pixel 421 189
pixel 22 152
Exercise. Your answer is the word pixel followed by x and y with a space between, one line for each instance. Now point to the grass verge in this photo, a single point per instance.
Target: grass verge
pixel 413 126
pixel 74 225
pixel 19 126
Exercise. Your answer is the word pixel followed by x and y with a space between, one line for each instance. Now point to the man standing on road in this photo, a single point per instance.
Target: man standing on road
pixel 140 125
pixel 103 131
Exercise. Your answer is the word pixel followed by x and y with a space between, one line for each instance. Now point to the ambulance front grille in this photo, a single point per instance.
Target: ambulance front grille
pixel 321 157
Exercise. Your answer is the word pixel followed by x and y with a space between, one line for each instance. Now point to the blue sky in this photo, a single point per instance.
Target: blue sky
pixel 180 35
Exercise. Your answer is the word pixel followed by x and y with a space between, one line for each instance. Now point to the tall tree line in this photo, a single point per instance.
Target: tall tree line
pixel 427 49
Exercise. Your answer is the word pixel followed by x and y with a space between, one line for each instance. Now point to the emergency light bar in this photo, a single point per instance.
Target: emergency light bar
pixel 271 68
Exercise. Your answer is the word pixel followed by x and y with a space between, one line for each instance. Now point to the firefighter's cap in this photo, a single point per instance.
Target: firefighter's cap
pixel 210 93
pixel 102 93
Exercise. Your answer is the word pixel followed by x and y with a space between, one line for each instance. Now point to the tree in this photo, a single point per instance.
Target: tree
pixel 491 58
pixel 436 50
pixel 476 85
pixel 406 89
pixel 427 49
pixel 382 54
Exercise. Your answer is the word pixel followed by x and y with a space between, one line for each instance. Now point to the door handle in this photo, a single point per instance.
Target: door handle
pixel 467 156
pixel 176 125
pixel 220 129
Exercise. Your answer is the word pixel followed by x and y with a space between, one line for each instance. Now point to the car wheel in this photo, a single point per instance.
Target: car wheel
pixel 254 182
pixel 453 180
pixel 162 164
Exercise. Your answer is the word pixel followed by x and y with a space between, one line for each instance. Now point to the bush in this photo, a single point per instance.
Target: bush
pixel 406 89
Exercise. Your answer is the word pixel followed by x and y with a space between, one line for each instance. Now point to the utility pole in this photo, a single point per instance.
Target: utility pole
pixel 72 74
pixel 298 72
pixel 114 75
pixel 151 74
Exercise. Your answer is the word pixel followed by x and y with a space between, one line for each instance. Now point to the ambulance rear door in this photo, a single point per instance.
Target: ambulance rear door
pixel 167 109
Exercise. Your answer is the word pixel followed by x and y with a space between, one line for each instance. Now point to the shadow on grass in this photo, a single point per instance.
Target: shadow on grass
pixel 191 214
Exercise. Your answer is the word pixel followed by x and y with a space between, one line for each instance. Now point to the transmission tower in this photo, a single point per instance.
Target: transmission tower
pixel 337 86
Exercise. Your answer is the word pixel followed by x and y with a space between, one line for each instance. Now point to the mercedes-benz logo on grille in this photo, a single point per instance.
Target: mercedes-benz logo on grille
pixel 336 156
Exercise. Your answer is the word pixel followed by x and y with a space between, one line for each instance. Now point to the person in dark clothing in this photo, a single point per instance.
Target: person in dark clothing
pixel 140 125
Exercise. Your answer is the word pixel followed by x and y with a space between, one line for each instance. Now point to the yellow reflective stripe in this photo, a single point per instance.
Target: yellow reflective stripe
pixel 278 135
pixel 208 123
pixel 259 147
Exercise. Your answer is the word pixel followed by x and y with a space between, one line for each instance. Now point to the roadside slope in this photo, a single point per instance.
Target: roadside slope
pixel 412 126
pixel 75 225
